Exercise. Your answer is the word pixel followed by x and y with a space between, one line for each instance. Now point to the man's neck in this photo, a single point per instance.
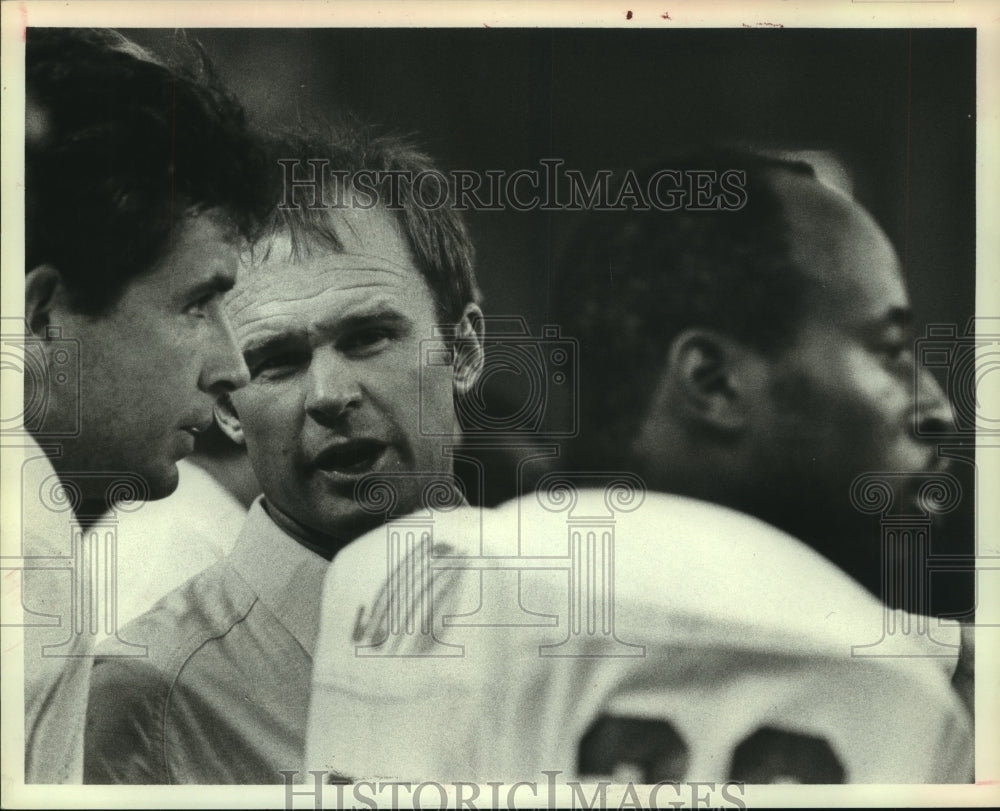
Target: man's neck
pixel 323 544
pixel 327 544
pixel 232 471
pixel 88 506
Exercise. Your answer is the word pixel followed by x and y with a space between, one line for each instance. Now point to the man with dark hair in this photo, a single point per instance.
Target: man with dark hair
pixel 141 184
pixel 141 181
pixel 760 358
pixel 748 364
pixel 330 316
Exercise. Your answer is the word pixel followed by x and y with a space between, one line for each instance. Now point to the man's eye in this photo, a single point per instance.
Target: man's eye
pixel 278 364
pixel 200 306
pixel 370 339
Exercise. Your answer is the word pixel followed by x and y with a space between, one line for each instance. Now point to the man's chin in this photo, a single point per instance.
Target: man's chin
pixel 347 511
pixel 159 483
pixel 329 529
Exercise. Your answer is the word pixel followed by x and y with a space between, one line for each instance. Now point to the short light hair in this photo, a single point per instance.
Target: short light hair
pixel 437 236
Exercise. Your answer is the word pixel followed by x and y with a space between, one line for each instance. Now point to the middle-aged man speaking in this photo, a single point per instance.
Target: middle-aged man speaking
pixel 330 318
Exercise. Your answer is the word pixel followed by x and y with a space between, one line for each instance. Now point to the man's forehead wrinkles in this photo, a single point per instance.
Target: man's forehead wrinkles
pixel 362 286
pixel 246 328
pixel 259 282
pixel 261 291
pixel 237 302
pixel 333 262
pixel 382 263
pixel 273 317
pixel 272 304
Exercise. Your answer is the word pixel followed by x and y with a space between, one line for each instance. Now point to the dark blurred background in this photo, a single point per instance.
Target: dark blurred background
pixel 897 107
pixel 890 112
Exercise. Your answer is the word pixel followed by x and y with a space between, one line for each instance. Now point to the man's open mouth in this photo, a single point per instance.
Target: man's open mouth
pixel 355 456
pixel 198 427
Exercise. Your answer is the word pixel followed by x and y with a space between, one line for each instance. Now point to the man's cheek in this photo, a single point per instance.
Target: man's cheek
pixel 277 407
pixel 438 396
pixel 870 384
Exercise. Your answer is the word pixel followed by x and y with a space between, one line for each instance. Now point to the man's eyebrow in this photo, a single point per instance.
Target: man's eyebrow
pixel 267 343
pixel 260 345
pixel 216 283
pixel 361 319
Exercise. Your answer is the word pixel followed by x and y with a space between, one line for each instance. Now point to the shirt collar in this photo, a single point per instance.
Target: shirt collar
pixel 286 576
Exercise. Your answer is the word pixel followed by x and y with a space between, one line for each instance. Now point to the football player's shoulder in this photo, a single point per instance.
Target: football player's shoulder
pixel 685 555
pixel 386 593
pixel 360 570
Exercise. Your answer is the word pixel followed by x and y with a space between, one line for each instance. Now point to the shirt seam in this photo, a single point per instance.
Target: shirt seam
pixel 178 664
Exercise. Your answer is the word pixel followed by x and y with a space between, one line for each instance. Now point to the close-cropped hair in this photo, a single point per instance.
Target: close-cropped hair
pixel 121 149
pixel 436 235
pixel 631 281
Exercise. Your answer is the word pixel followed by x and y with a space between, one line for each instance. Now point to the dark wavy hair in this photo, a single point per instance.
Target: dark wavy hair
pixel 120 149
pixel 631 281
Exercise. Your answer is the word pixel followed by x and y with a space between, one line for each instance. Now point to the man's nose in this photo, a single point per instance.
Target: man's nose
pixel 934 413
pixel 224 369
pixel 333 386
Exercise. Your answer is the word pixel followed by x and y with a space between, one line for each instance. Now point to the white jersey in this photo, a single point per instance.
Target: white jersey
pixel 677 641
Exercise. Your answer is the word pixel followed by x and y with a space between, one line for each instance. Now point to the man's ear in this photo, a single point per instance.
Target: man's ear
pixel 468 358
pixel 709 379
pixel 43 291
pixel 229 420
